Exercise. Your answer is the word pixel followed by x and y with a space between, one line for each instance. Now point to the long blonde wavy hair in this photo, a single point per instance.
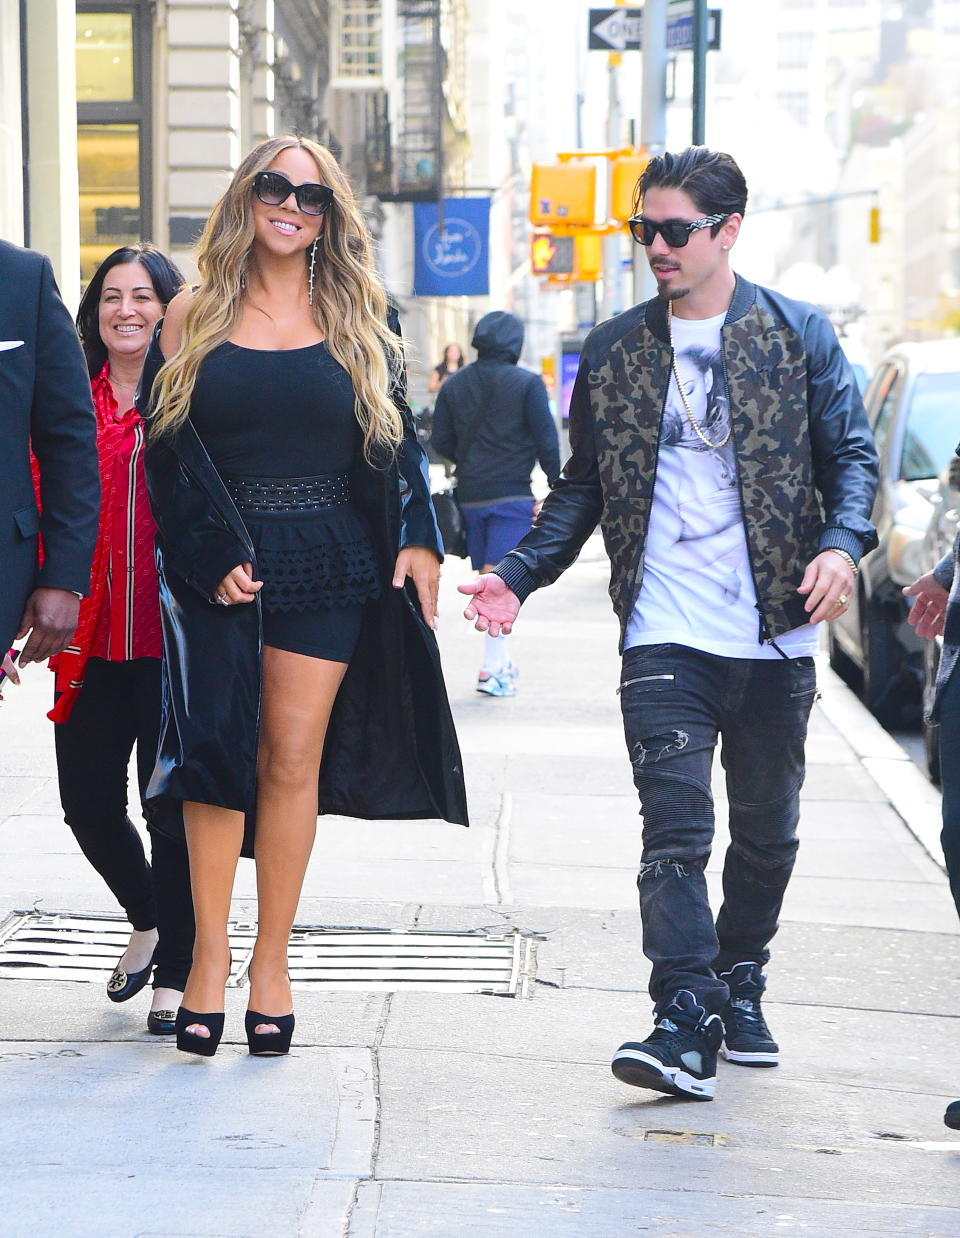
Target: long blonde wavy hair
pixel 349 303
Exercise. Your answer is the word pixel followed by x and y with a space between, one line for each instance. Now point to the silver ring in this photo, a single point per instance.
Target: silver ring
pixel 842 599
pixel 223 599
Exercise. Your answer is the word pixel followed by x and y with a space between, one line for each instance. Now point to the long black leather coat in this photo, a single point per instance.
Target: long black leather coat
pixel 391 749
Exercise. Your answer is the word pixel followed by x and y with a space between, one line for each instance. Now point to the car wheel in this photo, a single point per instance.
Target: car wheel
pixel 882 693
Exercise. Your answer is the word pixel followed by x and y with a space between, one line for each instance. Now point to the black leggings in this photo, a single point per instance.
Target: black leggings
pixel 119 706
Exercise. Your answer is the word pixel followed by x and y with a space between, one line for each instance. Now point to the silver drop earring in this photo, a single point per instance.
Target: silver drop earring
pixel 313 263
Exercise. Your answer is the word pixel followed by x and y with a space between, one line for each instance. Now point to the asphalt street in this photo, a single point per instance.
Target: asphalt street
pixel 410 1109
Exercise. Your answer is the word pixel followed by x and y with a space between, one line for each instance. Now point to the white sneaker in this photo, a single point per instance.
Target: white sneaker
pixel 500 684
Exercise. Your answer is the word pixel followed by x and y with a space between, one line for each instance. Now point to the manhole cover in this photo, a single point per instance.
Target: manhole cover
pixel 60 946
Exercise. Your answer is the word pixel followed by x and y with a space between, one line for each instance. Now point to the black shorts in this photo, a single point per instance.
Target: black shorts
pixel 328 632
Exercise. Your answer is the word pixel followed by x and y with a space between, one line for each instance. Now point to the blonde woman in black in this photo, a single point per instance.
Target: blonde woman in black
pixel 299 561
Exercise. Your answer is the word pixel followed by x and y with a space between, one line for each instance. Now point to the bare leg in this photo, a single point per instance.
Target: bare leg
pixel 214 838
pixel 298 695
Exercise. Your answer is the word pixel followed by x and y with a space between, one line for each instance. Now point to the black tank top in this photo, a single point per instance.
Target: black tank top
pixel 275 413
pixel 289 414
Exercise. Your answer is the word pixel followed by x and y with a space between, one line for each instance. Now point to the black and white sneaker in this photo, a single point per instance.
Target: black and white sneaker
pixel 746 1037
pixel 679 1056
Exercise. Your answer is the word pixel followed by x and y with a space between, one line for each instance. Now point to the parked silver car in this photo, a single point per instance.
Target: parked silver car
pixel 913 405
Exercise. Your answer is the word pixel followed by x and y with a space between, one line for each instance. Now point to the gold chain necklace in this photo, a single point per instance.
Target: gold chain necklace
pixel 683 395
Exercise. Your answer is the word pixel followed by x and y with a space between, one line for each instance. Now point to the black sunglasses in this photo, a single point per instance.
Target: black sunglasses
pixel 272 188
pixel 676 232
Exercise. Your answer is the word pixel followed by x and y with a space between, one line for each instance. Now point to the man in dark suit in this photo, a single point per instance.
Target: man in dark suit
pixel 44 404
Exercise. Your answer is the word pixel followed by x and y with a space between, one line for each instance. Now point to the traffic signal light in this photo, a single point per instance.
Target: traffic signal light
pixel 551 255
pixel 588 255
pixel 874 225
pixel 624 174
pixel 563 193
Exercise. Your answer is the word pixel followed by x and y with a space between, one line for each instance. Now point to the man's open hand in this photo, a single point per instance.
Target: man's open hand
pixel 828 583
pixel 494 605
pixel 929 609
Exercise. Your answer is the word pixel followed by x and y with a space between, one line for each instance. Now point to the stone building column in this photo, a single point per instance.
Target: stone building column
pixel 203 115
pixel 11 145
pixel 257 84
pixel 54 183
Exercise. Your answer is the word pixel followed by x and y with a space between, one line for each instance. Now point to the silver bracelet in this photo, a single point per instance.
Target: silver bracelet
pixel 849 559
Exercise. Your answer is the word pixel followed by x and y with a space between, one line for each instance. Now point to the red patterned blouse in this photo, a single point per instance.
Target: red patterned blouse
pixel 120 619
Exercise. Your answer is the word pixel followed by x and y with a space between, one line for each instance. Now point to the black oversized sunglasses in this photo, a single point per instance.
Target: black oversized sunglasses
pixel 676 232
pixel 272 188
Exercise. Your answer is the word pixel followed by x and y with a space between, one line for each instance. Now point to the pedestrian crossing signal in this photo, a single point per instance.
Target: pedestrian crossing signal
pixel 551 255
pixel 563 193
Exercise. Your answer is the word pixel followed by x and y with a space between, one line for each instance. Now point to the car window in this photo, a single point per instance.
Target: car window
pixel 931 434
pixel 885 402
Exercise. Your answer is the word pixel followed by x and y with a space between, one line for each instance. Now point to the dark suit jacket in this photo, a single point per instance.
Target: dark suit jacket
pixel 44 403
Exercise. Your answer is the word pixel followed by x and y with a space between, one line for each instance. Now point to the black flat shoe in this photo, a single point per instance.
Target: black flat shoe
pixel 268 1044
pixel 123 985
pixel 162 1022
pixel 190 1042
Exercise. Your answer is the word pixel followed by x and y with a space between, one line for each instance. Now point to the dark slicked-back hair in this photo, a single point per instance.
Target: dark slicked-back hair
pixel 710 178
pixel 164 275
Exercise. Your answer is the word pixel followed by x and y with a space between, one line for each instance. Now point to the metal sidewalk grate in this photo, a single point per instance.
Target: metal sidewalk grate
pixel 62 946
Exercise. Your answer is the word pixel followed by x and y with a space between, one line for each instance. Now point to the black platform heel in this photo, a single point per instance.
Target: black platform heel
pixel 190 1042
pixel 268 1044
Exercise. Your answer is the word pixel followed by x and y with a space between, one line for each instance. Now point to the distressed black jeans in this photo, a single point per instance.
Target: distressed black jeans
pixel 677 704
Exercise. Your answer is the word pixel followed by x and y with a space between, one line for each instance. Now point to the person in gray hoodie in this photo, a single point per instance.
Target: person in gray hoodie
pixel 493 421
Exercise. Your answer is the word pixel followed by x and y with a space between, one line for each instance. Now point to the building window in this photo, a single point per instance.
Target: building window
pixel 359 41
pixel 113 129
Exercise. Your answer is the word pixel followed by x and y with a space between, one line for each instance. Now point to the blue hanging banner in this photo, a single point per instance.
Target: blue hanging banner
pixel 452 261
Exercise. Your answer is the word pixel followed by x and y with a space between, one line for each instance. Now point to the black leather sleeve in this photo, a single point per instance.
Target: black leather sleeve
pixel 844 457
pixel 418 524
pixel 570 511
pixel 198 545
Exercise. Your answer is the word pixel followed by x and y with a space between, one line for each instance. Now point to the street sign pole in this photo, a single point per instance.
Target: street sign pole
pixel 699 72
pixel 653 117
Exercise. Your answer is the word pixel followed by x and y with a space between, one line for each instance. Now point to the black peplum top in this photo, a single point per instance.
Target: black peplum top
pixel 288 417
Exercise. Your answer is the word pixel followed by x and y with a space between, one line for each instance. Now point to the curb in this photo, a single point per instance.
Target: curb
pixel 913 797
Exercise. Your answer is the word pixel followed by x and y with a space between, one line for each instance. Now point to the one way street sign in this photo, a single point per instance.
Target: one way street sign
pixel 621 30
pixel 616 30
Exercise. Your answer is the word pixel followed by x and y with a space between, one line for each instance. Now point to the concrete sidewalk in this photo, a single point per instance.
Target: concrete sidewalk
pixel 466 1116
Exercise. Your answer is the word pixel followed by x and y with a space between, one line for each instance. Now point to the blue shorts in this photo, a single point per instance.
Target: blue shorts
pixel 494 528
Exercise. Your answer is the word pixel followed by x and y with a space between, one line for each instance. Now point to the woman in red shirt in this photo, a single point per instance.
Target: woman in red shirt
pixel 108 680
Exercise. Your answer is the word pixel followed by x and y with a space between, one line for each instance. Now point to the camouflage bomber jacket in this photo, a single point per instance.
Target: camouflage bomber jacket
pixel 806 464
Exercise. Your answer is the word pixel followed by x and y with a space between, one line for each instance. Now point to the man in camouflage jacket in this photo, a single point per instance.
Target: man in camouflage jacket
pixel 719 440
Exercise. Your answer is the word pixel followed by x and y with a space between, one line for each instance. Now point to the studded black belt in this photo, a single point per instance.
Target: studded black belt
pixel 288 494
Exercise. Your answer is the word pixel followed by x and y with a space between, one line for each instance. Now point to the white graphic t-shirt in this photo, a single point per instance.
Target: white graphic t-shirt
pixel 697 586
